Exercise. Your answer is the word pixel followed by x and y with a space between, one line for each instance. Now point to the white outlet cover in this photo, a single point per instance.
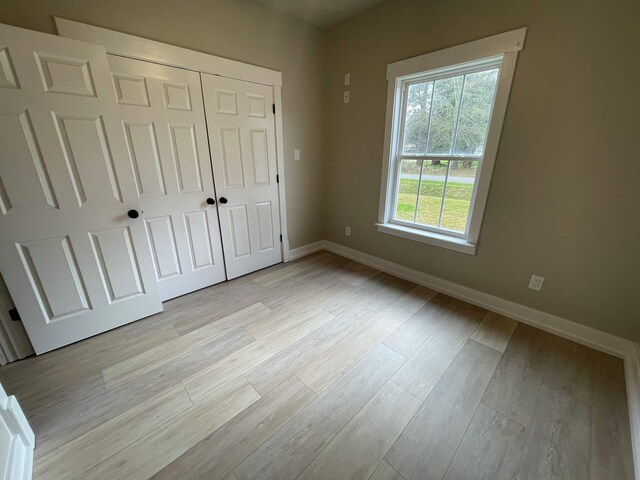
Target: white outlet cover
pixel 346 96
pixel 347 78
pixel 536 282
pixel 296 154
pixel 347 231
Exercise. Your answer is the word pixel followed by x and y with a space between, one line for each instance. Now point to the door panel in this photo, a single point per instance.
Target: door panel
pixel 185 157
pixel 163 121
pixel 264 226
pixel 52 268
pixel 83 142
pixel 242 138
pixel 8 78
pixel 162 240
pixel 231 157
pixel 75 264
pixel 177 96
pixel 145 158
pixel 27 183
pixel 239 231
pixel 60 74
pixel 131 90
pixel 118 267
pixel 199 240
pixel 256 106
pixel 225 102
pixel 260 157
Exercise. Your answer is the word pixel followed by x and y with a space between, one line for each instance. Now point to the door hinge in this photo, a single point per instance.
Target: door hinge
pixel 14 315
pixel 280 237
pixel 277 178
pixel 274 108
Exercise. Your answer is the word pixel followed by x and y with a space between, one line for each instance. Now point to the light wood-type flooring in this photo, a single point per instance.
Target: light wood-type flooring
pixel 324 368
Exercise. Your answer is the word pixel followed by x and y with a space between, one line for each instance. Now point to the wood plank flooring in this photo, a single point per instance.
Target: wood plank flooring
pixel 324 369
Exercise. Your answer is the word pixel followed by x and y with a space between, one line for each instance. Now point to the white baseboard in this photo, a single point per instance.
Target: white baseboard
pixel 591 337
pixel 305 250
pixel 588 336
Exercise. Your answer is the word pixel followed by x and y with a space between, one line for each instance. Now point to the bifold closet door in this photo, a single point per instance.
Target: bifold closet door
pixel 241 128
pixel 163 121
pixel 75 262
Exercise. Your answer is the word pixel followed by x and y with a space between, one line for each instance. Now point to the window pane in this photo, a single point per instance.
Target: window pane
pixel 477 99
pixel 446 98
pixel 408 190
pixel 416 125
pixel 434 173
pixel 457 198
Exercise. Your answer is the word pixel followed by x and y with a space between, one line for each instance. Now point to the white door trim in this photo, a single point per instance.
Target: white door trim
pixel 16 462
pixel 139 48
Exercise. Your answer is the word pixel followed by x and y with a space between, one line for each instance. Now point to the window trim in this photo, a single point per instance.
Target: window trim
pixel 451 59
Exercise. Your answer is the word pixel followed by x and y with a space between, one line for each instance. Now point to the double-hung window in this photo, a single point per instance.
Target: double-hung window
pixel 445 113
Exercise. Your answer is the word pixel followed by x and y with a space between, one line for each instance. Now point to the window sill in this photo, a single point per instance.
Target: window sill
pixel 431 238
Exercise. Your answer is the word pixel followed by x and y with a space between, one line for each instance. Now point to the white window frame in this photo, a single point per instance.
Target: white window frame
pixel 505 45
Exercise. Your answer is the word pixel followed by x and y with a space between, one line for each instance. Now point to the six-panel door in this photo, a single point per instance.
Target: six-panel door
pixel 75 263
pixel 241 131
pixel 82 147
pixel 164 124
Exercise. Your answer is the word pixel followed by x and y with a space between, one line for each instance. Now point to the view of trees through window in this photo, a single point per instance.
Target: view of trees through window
pixel 448 117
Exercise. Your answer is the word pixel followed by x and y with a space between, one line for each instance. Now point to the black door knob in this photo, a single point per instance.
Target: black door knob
pixel 223 200
pixel 211 201
pixel 133 214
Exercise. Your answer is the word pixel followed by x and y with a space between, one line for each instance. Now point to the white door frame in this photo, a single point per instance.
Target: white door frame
pixel 16 439
pixel 131 46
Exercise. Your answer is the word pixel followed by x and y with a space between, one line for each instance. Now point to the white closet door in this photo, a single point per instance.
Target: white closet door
pixel 242 137
pixel 75 263
pixel 163 121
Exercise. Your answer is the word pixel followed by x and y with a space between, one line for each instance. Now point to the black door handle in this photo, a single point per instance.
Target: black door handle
pixel 133 214
pixel 223 200
pixel 211 201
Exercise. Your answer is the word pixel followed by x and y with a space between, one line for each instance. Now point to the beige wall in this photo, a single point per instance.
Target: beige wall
pixel 238 29
pixel 565 196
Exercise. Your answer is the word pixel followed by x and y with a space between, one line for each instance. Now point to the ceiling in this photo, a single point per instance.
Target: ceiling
pixel 323 13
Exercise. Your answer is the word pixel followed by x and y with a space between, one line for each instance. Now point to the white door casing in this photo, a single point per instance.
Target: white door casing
pixel 164 124
pixel 74 262
pixel 241 131
pixel 17 440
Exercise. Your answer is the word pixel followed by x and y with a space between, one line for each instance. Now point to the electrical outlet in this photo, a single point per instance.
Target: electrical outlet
pixel 347 231
pixel 347 78
pixel 536 283
pixel 296 154
pixel 346 96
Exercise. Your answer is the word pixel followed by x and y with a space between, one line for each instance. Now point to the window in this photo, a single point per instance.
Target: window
pixel 443 126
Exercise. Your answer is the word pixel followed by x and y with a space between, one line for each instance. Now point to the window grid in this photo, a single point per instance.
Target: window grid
pixel 415 211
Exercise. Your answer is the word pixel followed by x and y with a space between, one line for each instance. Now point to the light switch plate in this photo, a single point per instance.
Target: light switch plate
pixel 296 154
pixel 347 78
